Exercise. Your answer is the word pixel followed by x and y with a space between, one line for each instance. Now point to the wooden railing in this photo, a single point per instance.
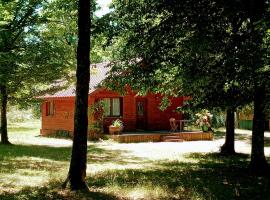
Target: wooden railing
pixel 155 137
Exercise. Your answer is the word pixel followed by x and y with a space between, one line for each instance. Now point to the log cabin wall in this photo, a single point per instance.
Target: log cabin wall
pixel 62 117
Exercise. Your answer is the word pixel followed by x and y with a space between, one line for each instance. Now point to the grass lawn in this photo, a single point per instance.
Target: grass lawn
pixel 35 167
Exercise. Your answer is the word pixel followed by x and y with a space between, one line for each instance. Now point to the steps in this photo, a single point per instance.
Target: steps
pixel 171 138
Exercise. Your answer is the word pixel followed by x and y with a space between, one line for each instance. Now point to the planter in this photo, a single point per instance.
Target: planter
pixel 205 128
pixel 115 130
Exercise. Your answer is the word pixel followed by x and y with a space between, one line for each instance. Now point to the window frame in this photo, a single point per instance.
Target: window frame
pixel 111 106
pixel 49 108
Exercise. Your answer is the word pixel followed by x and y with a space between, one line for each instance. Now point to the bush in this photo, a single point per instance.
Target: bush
pixel 95 127
pixel 218 119
pixel 61 134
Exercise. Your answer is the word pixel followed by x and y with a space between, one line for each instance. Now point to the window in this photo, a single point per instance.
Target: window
pixel 112 107
pixel 107 107
pixel 49 108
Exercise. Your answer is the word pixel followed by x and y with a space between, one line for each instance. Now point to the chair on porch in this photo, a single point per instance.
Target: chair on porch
pixel 184 123
pixel 173 124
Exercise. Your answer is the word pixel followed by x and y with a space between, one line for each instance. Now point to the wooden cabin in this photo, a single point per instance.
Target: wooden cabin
pixel 136 112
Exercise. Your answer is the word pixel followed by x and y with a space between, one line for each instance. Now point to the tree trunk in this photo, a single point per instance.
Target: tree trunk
pixel 258 163
pixel 4 135
pixel 77 170
pixel 228 147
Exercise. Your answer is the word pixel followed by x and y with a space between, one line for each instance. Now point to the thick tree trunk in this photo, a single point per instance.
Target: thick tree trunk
pixel 258 163
pixel 228 147
pixel 77 170
pixel 4 135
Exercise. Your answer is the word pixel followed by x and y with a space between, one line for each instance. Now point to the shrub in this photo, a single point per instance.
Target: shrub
pixel 118 123
pixel 218 119
pixel 61 134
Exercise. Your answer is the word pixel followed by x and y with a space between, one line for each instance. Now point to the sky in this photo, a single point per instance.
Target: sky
pixel 104 4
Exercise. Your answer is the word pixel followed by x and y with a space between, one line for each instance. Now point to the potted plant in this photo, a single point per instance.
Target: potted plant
pixel 204 120
pixel 116 127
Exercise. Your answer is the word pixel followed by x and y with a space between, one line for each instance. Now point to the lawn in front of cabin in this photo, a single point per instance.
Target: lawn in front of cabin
pixel 34 168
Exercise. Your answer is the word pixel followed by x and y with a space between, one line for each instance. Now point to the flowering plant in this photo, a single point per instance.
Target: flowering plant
pixel 118 123
pixel 204 119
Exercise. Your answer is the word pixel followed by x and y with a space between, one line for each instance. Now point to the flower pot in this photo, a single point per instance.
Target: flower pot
pixel 205 128
pixel 114 130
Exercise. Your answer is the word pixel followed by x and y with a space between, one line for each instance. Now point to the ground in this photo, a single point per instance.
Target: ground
pixel 34 168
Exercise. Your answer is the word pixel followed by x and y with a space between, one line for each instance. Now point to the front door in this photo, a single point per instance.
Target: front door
pixel 140 113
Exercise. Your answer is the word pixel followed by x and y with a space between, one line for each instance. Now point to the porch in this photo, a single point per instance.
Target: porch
pixel 161 136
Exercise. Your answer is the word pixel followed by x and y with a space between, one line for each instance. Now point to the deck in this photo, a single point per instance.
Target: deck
pixel 133 137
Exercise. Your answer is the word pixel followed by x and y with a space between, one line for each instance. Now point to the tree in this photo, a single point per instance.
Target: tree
pixel 259 18
pixel 184 53
pixel 198 49
pixel 77 170
pixel 29 58
pixel 61 18
pixel 4 136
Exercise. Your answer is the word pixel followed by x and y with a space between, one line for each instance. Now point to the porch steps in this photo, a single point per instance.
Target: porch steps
pixel 171 138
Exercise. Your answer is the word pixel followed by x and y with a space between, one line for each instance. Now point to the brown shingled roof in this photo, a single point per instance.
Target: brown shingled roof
pixel 99 73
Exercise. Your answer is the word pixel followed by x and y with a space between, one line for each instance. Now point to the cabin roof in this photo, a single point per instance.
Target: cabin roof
pixel 98 74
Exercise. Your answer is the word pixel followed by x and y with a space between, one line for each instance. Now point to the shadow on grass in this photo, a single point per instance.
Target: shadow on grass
pixel 203 176
pixel 17 157
pixel 95 153
pixel 120 157
pixel 37 157
pixel 211 177
pixel 267 141
pixel 218 135
pixel 239 159
pixel 53 191
pixel 28 160
pixel 241 137
pixel 39 151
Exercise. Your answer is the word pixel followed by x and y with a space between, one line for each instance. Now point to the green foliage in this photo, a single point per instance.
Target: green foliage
pixel 29 56
pixel 218 119
pixel 118 123
pixel 105 137
pixel 247 109
pixel 36 110
pixel 61 134
pixel 95 127
pixel 95 110
pixel 38 41
pixel 167 47
pixel 165 102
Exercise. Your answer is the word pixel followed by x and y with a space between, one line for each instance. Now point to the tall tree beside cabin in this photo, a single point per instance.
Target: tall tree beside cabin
pixel 258 13
pixel 4 135
pixel 228 147
pixel 15 16
pixel 77 170
pixel 26 52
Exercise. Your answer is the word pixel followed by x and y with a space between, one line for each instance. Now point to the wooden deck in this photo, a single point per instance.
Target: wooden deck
pixel 157 137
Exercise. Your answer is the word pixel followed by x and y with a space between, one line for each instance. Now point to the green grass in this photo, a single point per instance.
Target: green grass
pixel 34 168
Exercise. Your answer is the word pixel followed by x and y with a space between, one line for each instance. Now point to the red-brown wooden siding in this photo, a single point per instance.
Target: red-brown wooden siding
pixel 156 119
